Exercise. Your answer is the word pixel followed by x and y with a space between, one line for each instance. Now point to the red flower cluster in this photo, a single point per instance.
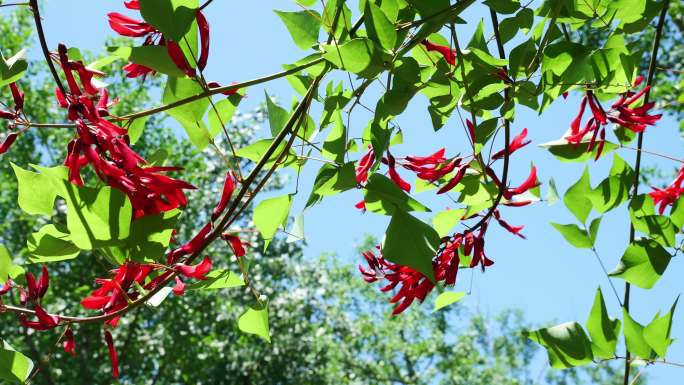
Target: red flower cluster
pixel 18 97
pixel 36 292
pixel 621 113
pixel 471 243
pixel 669 195
pixel 105 146
pixel 448 53
pixel 126 26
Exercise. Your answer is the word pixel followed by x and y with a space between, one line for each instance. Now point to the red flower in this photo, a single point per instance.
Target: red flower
pixel 361 205
pixel 198 271
pixel 364 165
pixel 204 40
pixel 126 26
pixel 18 97
pixel 448 53
pixel 396 178
pixel 436 158
pixel 105 146
pixel 669 195
pixel 179 287
pixel 228 188
pixel 235 244
pixel 178 58
pixel 517 143
pixel 45 320
pixel 511 229
pixel 455 180
pixel 528 184
pixel 192 246
pixel 37 290
pixel 69 343
pixel 7 143
pixel 112 353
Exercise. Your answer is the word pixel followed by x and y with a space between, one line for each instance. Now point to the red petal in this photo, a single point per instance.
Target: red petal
pixel 112 354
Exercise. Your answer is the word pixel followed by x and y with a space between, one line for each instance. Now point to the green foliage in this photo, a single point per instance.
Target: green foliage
pixel 12 69
pixel 14 366
pixel 190 115
pixel 410 242
pixel 172 17
pixel 567 344
pixel 447 298
pixel 303 26
pixel 255 321
pixel 643 263
pixel 382 196
pixel 603 330
pixel 271 214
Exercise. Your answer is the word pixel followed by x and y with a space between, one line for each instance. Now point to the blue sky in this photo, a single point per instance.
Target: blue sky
pixel 543 275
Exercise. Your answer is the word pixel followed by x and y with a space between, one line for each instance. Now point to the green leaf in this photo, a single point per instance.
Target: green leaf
pixel 379 27
pixel 575 198
pixel 677 214
pixel 566 344
pixel 634 337
pixel 51 244
pixel 270 214
pixel 257 150
pixel 303 26
pixel 657 333
pixel 332 180
pixel 447 298
pixel 613 190
pixel 12 69
pixel 410 242
pixel 218 279
pixel 14 366
pixel 569 152
pixel 135 128
pixel 334 146
pixel 226 108
pixel 643 263
pixel 659 227
pixel 7 267
pixel 594 228
pixel 277 116
pixel 255 321
pixel 36 192
pixel 152 56
pixel 97 217
pixel 503 6
pixel 189 115
pixel 382 196
pixel 357 56
pixel 575 235
pixel 446 220
pixel 603 329
pixel 552 193
pixel 172 17
pixel 151 235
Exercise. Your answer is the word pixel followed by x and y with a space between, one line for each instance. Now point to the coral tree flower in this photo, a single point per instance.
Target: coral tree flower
pixel 112 353
pixel 69 343
pixel 105 146
pixel 446 52
pixel 668 195
pixel 198 271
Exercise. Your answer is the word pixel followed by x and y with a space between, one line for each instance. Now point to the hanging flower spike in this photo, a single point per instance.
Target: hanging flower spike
pixel 575 124
pixel 394 176
pixel 446 52
pixel 364 165
pixel 517 143
pixel 596 108
pixel 69 343
pixel 198 271
pixel 112 353
pixel 528 184
pixel 204 40
pixel 179 287
pixel 228 188
pixel 235 244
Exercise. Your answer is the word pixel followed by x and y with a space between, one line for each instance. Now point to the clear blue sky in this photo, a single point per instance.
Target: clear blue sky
pixel 543 275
